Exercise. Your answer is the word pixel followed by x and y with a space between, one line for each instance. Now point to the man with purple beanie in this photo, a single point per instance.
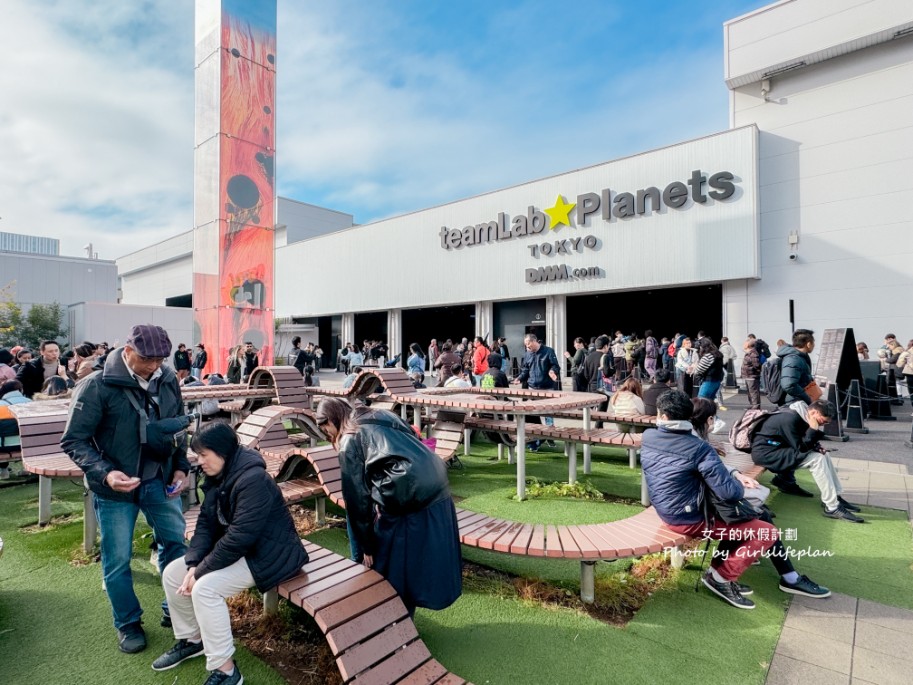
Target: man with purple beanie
pixel 125 431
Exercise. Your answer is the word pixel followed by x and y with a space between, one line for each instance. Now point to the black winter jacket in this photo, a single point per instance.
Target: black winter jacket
pixel 103 430
pixel 244 515
pixel 383 463
pixel 31 375
pixel 595 365
pixel 795 373
pixel 676 464
pixel 783 441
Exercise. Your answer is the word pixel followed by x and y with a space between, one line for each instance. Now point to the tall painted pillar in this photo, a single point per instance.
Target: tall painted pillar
pixel 234 177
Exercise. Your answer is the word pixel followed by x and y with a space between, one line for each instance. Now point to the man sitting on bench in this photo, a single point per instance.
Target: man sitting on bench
pixel 790 440
pixel 680 468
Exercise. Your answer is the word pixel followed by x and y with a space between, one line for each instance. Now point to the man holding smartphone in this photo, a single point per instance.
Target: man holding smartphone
pixel 114 434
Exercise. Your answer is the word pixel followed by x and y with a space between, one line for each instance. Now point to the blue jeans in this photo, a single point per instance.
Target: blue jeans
pixel 355 552
pixel 709 389
pixel 117 522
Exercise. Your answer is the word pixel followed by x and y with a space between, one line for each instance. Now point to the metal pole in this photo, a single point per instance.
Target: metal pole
pixel 587 447
pixel 521 457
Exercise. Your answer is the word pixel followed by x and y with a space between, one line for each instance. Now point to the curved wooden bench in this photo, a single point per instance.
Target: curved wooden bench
pixel 366 624
pixel 285 381
pixel 41 454
pixel 640 534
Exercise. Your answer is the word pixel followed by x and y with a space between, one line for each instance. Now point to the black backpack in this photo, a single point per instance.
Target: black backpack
pixel 763 350
pixel 770 373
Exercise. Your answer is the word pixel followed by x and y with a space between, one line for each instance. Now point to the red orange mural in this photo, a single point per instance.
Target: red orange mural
pixel 233 290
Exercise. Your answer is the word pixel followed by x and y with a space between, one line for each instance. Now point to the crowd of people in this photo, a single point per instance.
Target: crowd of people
pixel 126 431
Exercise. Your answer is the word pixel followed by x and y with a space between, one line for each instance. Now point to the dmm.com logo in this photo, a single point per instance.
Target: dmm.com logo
pixel 562 272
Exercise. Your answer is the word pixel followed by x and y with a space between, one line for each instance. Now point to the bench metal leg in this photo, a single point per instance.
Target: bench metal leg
pixel 467 439
pixel 193 497
pixel 571 462
pixel 644 493
pixel 511 454
pixel 587 447
pixel 676 557
pixel 44 500
pixel 500 451
pixel 89 522
pixel 632 457
pixel 587 582
pixel 404 412
pixel 321 509
pixel 270 602
pixel 521 457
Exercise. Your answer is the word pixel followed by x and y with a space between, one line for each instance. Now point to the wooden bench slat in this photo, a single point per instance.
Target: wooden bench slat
pixel 568 544
pixel 427 674
pixel 331 590
pixel 360 628
pixel 396 666
pixel 353 605
pixel 588 550
pixel 376 649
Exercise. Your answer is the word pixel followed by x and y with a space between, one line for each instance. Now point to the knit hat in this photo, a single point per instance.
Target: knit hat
pixel 150 341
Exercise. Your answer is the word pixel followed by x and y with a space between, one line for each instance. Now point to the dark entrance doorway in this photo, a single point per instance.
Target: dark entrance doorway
pixel 330 336
pixel 665 311
pixel 420 325
pixel 370 326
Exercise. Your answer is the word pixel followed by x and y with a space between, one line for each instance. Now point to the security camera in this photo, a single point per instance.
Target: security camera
pixel 793 256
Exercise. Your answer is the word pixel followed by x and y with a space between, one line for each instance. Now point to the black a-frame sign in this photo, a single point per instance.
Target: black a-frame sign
pixel 838 361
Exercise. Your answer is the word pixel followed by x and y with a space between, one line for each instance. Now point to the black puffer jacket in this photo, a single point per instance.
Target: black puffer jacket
pixel 783 441
pixel 244 515
pixel 795 374
pixel 384 463
pixel 103 431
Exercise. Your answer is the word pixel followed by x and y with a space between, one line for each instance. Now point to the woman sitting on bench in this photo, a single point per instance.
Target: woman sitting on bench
pixel 398 503
pixel 244 537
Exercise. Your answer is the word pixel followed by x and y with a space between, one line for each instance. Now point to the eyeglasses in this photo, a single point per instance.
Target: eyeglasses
pixel 150 360
pixel 322 421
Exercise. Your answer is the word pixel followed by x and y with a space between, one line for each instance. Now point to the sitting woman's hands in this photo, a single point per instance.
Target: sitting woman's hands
pixel 189 581
pixel 746 481
pixel 368 561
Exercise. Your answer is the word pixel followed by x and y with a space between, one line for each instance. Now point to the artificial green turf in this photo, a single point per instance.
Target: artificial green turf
pixel 871 560
pixel 489 486
pixel 55 620
pixel 679 634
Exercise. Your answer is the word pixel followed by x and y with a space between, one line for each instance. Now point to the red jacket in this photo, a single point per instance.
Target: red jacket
pixel 480 360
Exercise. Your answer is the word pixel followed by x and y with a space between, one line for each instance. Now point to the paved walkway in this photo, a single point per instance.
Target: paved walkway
pixel 843 640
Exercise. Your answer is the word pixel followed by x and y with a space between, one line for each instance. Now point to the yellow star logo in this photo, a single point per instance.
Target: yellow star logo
pixel 559 213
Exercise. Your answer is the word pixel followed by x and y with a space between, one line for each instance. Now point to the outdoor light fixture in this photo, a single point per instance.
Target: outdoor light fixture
pixel 784 69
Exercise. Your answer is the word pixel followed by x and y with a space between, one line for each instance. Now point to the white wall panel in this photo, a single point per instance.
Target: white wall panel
pixel 786 31
pixel 155 284
pixel 712 242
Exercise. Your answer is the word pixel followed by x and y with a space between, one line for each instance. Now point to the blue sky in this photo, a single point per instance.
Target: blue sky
pixel 384 107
